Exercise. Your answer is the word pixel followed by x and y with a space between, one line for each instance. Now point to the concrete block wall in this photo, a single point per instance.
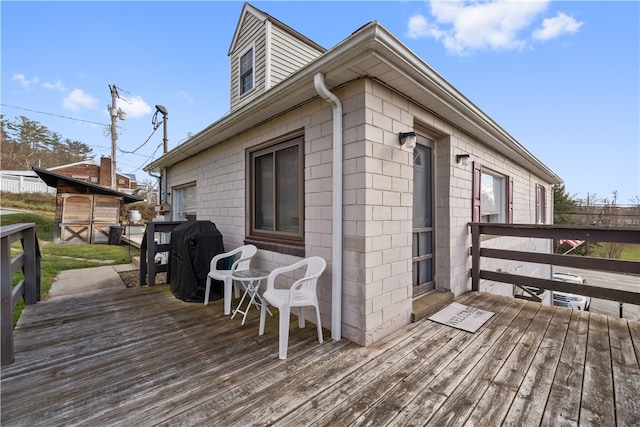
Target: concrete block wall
pixel 220 178
pixel 388 208
pixel 377 200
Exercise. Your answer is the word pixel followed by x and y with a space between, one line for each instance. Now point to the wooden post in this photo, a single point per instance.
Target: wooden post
pixel 31 285
pixel 475 257
pixel 6 308
pixel 151 255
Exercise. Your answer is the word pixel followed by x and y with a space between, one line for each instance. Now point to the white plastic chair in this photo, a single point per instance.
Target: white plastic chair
pixel 302 293
pixel 242 263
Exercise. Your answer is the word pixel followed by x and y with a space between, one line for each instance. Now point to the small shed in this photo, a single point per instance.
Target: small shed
pixel 85 212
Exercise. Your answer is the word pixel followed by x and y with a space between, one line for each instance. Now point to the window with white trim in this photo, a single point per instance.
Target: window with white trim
pixel 246 71
pixel 184 203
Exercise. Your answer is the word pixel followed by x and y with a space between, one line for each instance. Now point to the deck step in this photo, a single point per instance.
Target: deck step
pixel 429 303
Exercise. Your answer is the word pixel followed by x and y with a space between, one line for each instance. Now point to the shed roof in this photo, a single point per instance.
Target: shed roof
pixel 52 179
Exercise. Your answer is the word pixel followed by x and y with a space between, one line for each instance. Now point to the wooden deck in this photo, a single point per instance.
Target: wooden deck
pixel 141 357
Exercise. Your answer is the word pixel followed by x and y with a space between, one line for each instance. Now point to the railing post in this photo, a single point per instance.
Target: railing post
pixel 475 257
pixel 620 308
pixel 6 308
pixel 151 255
pixel 144 247
pixel 31 285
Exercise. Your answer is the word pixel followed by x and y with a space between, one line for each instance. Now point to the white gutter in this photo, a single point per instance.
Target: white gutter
pixel 336 251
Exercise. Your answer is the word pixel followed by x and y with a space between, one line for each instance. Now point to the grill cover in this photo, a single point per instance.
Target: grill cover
pixel 193 244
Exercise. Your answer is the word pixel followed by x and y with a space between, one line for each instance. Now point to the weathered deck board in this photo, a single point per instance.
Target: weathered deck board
pixel 563 407
pixel 349 400
pixel 494 404
pixel 531 399
pixel 141 357
pixel 626 373
pixel 391 397
pixel 456 365
pixel 597 407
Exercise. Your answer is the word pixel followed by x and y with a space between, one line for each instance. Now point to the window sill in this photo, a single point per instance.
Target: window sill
pixel 279 247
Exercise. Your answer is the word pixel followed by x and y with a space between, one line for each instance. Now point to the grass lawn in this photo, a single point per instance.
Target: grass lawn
pixel 631 253
pixel 58 257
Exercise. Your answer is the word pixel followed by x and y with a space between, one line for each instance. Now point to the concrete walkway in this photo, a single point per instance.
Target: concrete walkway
pixel 81 280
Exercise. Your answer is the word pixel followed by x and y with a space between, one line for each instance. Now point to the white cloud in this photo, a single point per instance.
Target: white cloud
pixel 135 107
pixel 77 100
pixel 24 82
pixel 465 26
pixel 420 27
pixel 55 86
pixel 186 96
pixel 557 26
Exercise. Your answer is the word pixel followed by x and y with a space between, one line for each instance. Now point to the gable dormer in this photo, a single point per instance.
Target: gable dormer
pixel 264 52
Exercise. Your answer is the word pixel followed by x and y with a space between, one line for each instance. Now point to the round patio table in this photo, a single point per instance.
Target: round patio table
pixel 250 280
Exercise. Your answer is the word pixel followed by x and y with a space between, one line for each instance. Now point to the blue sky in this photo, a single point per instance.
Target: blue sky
pixel 561 77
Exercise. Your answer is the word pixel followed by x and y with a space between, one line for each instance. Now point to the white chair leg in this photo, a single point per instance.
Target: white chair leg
pixel 236 288
pixel 318 325
pixel 284 330
pixel 228 283
pixel 301 317
pixel 206 291
pixel 263 316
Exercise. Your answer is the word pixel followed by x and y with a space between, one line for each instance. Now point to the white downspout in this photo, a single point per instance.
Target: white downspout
pixel 336 251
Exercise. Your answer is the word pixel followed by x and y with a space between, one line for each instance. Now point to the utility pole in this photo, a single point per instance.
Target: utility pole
pixel 113 112
pixel 165 116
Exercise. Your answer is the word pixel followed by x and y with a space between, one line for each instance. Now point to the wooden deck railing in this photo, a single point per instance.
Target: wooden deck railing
pixel 28 288
pixel 149 249
pixel 586 233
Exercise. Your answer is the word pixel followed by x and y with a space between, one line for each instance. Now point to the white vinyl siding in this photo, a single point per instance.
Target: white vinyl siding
pixel 252 35
pixel 288 55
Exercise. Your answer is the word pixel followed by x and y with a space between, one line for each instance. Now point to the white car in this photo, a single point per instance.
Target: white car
pixel 563 299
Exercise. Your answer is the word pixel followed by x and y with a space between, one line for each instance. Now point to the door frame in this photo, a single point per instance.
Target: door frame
pixel 422 288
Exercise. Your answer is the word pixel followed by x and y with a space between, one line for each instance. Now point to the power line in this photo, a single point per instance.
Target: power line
pixel 141 145
pixel 55 115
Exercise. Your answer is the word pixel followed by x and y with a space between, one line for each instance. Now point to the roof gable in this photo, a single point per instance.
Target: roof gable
pixel 276 51
pixel 262 16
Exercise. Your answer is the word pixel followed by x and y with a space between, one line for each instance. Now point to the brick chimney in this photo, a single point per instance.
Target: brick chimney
pixel 105 171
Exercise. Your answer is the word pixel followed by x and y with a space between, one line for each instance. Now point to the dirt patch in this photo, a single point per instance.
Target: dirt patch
pixel 131 278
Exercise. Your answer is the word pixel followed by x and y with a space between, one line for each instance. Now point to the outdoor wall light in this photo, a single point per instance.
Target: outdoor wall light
pixel 464 158
pixel 408 139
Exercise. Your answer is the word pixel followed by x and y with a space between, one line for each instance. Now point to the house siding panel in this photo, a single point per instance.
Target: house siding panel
pixel 253 31
pixel 289 54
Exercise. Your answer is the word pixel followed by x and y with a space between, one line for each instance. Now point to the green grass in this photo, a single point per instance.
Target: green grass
pixel 44 222
pixel 119 254
pixel 631 252
pixel 33 202
pixel 58 257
